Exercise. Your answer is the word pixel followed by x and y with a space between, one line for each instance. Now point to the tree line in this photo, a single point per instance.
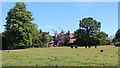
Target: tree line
pixel 116 39
pixel 20 32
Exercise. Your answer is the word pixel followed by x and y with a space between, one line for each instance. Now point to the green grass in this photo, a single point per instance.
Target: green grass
pixel 62 56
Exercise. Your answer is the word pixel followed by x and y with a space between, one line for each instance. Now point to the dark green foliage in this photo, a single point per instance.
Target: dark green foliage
pixel 50 38
pixel 41 39
pixel 86 34
pixel 45 39
pixel 117 44
pixel 19 26
pixel 4 41
pixel 101 36
pixel 116 39
pixel 81 37
pixel 108 41
pixel 67 41
pixel 37 36
pixel 89 34
pixel 117 35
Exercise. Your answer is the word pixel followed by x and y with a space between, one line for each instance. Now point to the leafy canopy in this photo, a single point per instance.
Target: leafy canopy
pixel 86 34
pixel 19 26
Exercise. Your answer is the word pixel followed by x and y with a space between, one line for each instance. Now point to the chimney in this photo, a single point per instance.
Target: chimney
pixel 56 34
pixel 68 32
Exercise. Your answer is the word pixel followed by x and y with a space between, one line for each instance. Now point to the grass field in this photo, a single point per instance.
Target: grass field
pixel 62 56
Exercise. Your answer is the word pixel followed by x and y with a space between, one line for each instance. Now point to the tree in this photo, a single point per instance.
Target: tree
pixel 66 42
pixel 40 39
pixel 102 37
pixel 45 39
pixel 86 32
pixel 117 35
pixel 116 39
pixel 108 41
pixel 3 42
pixel 80 36
pixel 18 26
pixel 50 38
pixel 36 38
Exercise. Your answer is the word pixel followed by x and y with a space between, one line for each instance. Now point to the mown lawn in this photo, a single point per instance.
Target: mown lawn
pixel 62 56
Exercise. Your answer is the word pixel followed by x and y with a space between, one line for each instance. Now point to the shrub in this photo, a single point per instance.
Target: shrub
pixel 117 44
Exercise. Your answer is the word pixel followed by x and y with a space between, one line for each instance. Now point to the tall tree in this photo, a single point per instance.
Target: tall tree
pixel 81 37
pixel 19 26
pixel 88 27
pixel 117 35
pixel 116 39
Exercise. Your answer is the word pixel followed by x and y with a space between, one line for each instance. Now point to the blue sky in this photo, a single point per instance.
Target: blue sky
pixel 52 15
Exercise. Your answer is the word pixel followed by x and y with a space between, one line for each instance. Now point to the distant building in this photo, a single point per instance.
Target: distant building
pixel 59 39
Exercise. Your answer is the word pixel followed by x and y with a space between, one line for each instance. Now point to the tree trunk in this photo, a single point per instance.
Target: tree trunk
pixel 89 46
pixel 114 43
pixel 95 46
pixel 76 46
pixel 85 46
pixel 72 46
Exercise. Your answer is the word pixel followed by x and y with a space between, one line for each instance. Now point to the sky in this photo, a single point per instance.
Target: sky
pixel 52 15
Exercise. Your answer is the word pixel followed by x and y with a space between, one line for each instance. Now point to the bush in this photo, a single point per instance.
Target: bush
pixel 76 46
pixel 4 43
pixel 71 46
pixel 117 44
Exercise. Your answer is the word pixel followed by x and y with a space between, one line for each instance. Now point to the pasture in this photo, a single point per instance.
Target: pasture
pixel 62 56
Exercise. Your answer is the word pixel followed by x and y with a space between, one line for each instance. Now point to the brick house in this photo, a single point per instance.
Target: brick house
pixel 60 38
